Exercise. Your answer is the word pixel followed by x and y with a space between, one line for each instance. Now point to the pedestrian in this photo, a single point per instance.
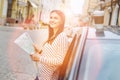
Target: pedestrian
pixel 20 16
pixel 52 54
pixel 30 19
pixel 30 22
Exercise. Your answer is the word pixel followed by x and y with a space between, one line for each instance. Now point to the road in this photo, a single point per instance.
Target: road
pixel 15 63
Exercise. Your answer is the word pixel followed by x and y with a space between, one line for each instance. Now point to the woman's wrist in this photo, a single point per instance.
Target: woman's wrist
pixel 40 51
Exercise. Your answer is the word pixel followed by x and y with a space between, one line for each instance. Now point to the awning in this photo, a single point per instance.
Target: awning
pixel 33 4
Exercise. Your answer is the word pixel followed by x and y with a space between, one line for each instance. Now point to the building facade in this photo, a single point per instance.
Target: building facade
pixel 12 10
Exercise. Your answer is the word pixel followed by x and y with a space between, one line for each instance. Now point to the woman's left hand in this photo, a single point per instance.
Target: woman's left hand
pixel 35 57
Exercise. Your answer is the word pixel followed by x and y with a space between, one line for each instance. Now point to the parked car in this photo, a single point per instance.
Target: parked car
pixel 97 56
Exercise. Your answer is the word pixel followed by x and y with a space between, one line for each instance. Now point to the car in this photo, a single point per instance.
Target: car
pixel 97 56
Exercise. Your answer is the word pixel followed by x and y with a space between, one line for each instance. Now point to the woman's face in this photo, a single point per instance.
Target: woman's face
pixel 55 20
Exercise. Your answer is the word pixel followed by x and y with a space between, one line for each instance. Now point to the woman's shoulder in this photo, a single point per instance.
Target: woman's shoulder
pixel 62 37
pixel 62 34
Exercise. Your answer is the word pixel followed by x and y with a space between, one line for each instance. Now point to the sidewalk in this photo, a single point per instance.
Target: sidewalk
pixel 10 27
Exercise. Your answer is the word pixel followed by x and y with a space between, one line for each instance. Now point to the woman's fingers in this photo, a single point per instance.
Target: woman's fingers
pixel 35 57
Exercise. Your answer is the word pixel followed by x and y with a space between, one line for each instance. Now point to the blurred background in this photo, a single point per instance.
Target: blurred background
pixel 78 12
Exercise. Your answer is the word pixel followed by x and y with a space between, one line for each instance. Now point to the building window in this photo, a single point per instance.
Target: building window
pixel 9 11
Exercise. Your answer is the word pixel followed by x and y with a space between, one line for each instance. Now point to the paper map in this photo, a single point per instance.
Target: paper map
pixel 25 42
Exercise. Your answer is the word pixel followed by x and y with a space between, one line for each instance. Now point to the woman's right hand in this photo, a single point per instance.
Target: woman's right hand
pixel 35 57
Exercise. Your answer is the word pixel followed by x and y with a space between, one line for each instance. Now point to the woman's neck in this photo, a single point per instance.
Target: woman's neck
pixel 55 31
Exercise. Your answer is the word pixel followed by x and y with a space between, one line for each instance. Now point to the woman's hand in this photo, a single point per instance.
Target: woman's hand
pixel 35 57
pixel 36 48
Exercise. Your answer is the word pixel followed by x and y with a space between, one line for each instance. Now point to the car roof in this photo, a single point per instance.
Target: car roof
pixel 106 35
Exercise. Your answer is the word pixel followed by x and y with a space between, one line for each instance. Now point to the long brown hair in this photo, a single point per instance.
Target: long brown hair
pixel 51 33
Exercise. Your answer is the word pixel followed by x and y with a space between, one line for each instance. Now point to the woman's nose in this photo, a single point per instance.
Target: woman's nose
pixel 51 20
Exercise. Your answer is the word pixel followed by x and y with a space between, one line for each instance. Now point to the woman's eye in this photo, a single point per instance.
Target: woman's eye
pixel 50 17
pixel 55 18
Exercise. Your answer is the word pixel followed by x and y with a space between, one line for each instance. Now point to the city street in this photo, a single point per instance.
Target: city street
pixel 16 64
pixel 92 28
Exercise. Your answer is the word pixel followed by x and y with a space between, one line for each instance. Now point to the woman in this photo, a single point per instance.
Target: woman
pixel 51 57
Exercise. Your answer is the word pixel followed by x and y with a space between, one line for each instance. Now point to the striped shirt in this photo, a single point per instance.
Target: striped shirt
pixel 52 56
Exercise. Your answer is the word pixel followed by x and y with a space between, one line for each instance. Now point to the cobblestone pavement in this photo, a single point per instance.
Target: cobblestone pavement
pixel 15 63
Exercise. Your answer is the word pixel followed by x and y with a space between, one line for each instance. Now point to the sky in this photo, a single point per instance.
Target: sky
pixel 76 6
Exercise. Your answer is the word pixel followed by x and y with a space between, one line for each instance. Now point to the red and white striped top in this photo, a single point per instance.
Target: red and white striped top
pixel 52 56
